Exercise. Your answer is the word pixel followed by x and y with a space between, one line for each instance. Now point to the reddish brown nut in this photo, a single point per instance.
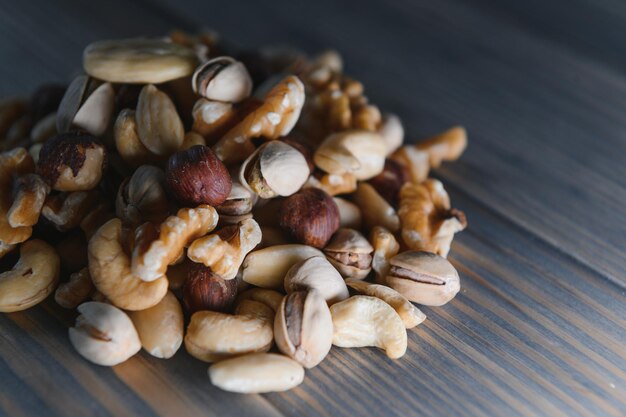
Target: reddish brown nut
pixel 310 216
pixel 389 182
pixel 72 161
pixel 205 290
pixel 196 176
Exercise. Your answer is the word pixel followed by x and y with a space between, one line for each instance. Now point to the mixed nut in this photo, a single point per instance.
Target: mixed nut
pixel 254 207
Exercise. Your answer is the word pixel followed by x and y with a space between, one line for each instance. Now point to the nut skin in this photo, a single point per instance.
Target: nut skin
pixel 310 216
pixel 197 176
pixel 389 182
pixel 205 290
pixel 72 161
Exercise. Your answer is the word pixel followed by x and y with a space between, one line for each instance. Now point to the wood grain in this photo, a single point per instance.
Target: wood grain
pixel 539 327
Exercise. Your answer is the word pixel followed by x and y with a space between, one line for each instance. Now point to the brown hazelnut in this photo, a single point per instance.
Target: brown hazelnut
pixel 196 176
pixel 72 161
pixel 205 290
pixel 389 182
pixel 310 216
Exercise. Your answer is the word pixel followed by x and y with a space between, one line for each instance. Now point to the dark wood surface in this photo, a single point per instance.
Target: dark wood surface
pixel 539 327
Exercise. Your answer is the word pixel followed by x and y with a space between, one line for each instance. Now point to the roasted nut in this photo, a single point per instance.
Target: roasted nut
pixel 66 210
pixel 205 290
pixel 350 253
pixel 142 197
pixel 211 119
pixel 333 184
pixel 428 222
pixel 5 249
pixel 411 316
pixel 310 216
pixel 359 152
pixel 155 251
pixel 140 61
pixel 110 269
pixel 29 195
pixel 86 106
pixel 196 176
pixel 72 162
pixel 303 327
pixel 446 146
pixel 349 213
pixel 385 247
pixel 213 336
pixel 375 209
pixel 225 250
pixel 274 118
pixel 222 79
pixel 192 139
pixel 423 277
pixel 158 125
pixel 392 132
pixel 32 279
pixel 160 328
pixel 264 172
pixel 257 373
pixel 270 298
pixel 12 164
pixel 75 291
pixel 316 273
pixel 388 183
pixel 267 267
pixel 366 117
pixel 415 160
pixel 239 202
pixel 104 334
pixel 368 321
pixel 127 142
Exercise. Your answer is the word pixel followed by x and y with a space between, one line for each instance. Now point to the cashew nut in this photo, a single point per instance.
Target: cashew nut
pixel 75 291
pixel 12 163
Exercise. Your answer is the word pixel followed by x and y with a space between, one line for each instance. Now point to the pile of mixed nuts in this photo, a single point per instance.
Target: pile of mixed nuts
pixel 257 196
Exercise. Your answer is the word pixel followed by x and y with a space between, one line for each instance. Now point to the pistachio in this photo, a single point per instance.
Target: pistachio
pixel 350 252
pixel 130 148
pixel 303 327
pixel 86 105
pixel 239 202
pixel 158 125
pixel 142 197
pixel 264 171
pixel 222 79
pixel 316 273
pixel 423 277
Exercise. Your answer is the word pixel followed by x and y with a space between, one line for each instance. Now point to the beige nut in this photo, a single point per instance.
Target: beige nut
pixel 411 316
pixel 274 118
pixel 127 142
pixel 30 193
pixel 392 132
pixel 266 268
pixel 222 79
pixel 109 267
pixel 211 119
pixel 274 169
pixel 5 249
pixel 213 336
pixel 66 210
pixel 32 278
pixel 333 184
pixel 142 197
pixel 192 139
pixel 270 298
pixel 303 327
pixel 153 253
pixel 446 146
pixel 158 125
pixel 368 321
pixel 349 213
pixel 385 247
pixel 423 277
pixel 104 334
pixel 238 203
pixel 225 250
pixel 316 273
pixel 428 222
pixel 415 160
pixel 139 61
pixel 86 106
pixel 359 152
pixel 375 209
pixel 161 327
pixel 350 252
pixel 257 373
pixel 12 163
pixel 75 291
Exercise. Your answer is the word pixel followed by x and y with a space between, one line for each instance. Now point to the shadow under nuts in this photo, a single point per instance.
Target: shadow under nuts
pixel 205 290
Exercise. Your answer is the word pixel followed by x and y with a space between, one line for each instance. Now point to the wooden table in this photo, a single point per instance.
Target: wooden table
pixel 539 325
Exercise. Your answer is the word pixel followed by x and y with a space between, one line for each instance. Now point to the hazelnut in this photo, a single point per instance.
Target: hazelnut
pixel 389 182
pixel 222 79
pixel 196 176
pixel 351 253
pixel 310 216
pixel 205 290
pixel 72 161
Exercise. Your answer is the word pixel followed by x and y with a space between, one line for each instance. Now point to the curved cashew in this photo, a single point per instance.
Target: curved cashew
pixel 274 118
pixel 110 270
pixel 151 257
pixel 270 298
pixel 225 250
pixel 66 210
pixel 32 279
pixel 30 194
pixel 12 163
pixel 368 321
pixel 385 247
